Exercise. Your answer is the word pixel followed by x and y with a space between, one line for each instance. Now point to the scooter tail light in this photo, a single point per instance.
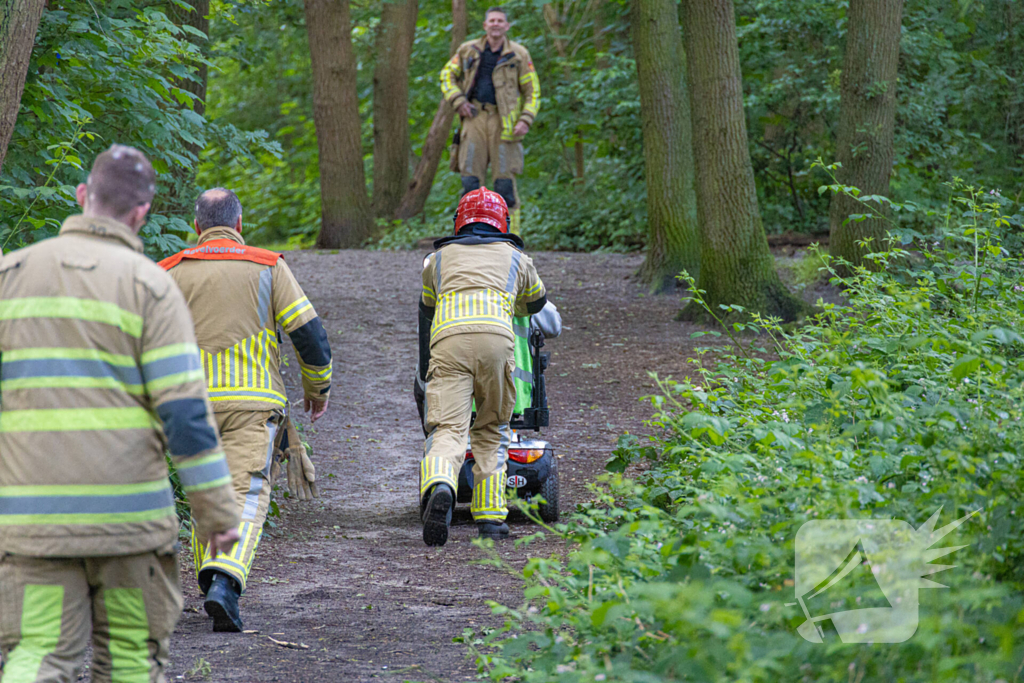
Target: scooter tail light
pixel 525 455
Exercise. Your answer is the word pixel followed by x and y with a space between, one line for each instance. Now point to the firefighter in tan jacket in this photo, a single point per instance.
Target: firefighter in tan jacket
pixel 99 373
pixel 472 286
pixel 492 85
pixel 239 296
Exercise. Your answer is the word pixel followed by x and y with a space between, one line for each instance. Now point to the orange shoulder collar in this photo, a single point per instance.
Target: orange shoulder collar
pixel 222 250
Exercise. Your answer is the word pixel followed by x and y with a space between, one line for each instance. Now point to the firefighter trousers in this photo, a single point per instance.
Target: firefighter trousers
pixel 52 609
pixel 248 438
pixel 464 367
pixel 481 146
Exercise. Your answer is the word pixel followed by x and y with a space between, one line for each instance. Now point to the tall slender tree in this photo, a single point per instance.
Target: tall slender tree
pixel 196 16
pixel 345 210
pixel 554 20
pixel 181 195
pixel 19 20
pixel 867 122
pixel 673 243
pixel 736 266
pixel 391 145
pixel 437 137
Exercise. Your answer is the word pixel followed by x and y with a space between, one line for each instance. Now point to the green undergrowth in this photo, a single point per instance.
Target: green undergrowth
pixel 905 402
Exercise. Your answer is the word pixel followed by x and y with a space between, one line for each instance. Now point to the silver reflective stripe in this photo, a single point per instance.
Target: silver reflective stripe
pixel 521 331
pixel 87 505
pixel 271 432
pixel 470 153
pixel 69 367
pixel 437 275
pixel 513 271
pixel 506 439
pixel 266 286
pixel 252 498
pixel 426 405
pixel 522 376
pixel 502 160
pixel 190 477
pixel 428 444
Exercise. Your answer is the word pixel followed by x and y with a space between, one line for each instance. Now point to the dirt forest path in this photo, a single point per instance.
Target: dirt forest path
pixel 348 574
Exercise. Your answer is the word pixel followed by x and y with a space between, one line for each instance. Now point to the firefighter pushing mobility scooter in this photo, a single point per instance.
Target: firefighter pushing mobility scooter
pixel 475 283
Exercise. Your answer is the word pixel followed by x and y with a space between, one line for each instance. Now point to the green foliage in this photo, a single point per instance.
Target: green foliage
pixel 100 74
pixel 957 61
pixel 904 402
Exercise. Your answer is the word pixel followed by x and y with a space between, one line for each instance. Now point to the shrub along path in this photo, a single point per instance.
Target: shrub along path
pixel 348 575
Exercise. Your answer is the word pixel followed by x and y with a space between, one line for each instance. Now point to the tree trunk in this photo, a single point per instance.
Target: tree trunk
pixel 736 266
pixel 673 243
pixel 391 146
pixel 179 199
pixel 347 220
pixel 19 20
pixel 198 18
pixel 867 119
pixel 437 137
pixel 557 28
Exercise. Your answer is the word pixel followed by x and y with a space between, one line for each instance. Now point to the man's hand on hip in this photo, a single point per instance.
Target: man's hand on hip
pixel 316 409
pixel 521 129
pixel 223 542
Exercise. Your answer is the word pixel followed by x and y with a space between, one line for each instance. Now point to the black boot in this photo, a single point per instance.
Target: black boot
pixel 493 530
pixel 437 514
pixel 222 604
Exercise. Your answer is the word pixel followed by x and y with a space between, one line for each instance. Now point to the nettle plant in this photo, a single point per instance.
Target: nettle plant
pixel 903 401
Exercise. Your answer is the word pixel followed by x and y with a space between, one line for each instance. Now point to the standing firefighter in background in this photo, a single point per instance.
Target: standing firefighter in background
pixel 239 296
pixel 493 86
pixel 472 286
pixel 96 346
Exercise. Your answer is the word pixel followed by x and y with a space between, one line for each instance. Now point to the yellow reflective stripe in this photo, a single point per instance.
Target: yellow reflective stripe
pixel 128 624
pixel 535 289
pixel 70 307
pixel 451 71
pixel 168 351
pixel 295 304
pixel 41 615
pixel 482 320
pixel 84 489
pixel 296 314
pixel 88 518
pixel 75 419
pixel 174 380
pixel 45 353
pixel 72 383
pixel 532 104
pixel 325 373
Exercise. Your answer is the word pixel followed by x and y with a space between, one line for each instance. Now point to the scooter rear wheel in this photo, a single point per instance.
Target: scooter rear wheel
pixel 548 511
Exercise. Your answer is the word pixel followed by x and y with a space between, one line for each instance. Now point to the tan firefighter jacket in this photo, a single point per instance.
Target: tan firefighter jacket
pixel 99 373
pixel 476 284
pixel 516 86
pixel 239 296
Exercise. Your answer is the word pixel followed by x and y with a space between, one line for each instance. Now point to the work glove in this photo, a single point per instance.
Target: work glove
pixel 301 473
pixel 302 476
pixel 548 320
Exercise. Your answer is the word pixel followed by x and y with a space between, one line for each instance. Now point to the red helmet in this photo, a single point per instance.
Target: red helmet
pixel 482 206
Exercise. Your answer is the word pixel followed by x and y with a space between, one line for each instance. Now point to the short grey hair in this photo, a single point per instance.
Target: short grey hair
pixel 217 207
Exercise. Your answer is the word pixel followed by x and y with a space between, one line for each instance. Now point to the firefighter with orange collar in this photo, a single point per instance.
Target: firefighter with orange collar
pixel 239 296
pixel 473 284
